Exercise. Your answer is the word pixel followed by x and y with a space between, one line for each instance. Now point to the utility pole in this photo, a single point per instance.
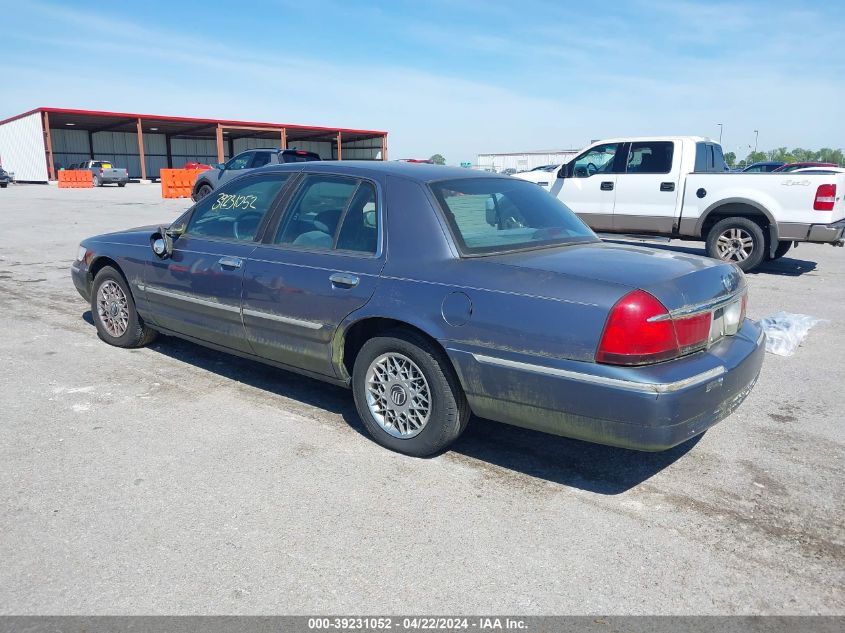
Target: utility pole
pixel 756 134
pixel 720 133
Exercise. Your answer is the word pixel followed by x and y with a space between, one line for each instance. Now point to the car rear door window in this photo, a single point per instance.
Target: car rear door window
pixel 235 212
pixel 650 157
pixel 314 215
pixel 261 159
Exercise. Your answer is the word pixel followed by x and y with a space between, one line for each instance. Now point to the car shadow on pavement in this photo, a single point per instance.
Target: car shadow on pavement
pixel 785 266
pixel 591 467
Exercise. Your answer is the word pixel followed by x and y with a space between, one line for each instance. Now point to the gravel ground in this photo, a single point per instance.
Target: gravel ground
pixel 173 479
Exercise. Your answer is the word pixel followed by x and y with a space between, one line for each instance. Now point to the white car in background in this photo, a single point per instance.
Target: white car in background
pixel 543 176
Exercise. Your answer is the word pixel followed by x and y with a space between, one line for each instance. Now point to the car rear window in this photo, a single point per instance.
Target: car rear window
pixel 300 156
pixel 494 215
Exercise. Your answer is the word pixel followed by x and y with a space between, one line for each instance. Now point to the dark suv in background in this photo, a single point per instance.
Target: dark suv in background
pixel 208 181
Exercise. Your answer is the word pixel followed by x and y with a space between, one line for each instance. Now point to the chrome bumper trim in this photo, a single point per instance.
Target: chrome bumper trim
pixel 311 325
pixel 655 388
pixel 189 298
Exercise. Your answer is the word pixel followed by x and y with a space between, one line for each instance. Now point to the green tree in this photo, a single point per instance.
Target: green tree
pixel 438 159
pixel 730 159
pixel 827 155
pixel 757 157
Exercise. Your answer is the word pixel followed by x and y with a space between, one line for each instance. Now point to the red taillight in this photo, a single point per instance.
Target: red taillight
pixel 825 198
pixel 640 330
pixel 301 152
pixel 101 172
pixel 693 331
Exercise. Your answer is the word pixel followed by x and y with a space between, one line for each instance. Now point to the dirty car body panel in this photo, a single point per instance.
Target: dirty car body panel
pixel 520 326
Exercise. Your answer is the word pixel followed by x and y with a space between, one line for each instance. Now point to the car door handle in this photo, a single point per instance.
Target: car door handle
pixel 344 280
pixel 667 186
pixel 230 262
pixel 607 185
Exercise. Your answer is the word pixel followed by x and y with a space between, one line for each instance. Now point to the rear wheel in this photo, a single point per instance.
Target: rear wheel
pixel 408 395
pixel 97 182
pixel 739 241
pixel 113 309
pixel 203 191
pixel 782 249
pixel 121 184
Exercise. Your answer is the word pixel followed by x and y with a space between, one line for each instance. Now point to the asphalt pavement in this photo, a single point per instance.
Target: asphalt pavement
pixel 174 479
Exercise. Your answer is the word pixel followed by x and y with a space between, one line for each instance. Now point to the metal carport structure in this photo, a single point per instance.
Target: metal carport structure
pixel 145 143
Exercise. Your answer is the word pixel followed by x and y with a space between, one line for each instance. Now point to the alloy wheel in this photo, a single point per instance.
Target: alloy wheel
pixel 735 245
pixel 113 308
pixel 398 395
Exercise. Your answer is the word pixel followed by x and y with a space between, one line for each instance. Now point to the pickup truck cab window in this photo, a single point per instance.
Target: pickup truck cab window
pixel 235 212
pixel 709 158
pixel 650 157
pixel 596 160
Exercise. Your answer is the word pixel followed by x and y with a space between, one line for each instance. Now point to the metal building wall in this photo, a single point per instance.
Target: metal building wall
pixel 524 161
pixel 368 149
pixel 195 150
pixel 22 149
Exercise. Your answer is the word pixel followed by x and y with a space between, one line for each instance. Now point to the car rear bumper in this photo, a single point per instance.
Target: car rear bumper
pixel 820 233
pixel 644 408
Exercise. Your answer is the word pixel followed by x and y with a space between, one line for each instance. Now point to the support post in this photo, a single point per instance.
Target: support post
pixel 51 167
pixel 91 144
pixel 284 135
pixel 339 150
pixel 141 150
pixel 220 155
pixel 167 139
pixel 384 147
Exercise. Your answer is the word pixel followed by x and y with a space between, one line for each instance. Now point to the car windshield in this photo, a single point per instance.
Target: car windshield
pixel 291 157
pixel 494 215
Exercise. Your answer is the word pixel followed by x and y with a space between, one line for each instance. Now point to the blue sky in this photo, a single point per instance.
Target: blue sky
pixel 454 77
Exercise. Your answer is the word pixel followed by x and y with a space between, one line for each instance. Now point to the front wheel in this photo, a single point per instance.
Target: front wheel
pixel 739 241
pixel 202 192
pixel 408 395
pixel 113 309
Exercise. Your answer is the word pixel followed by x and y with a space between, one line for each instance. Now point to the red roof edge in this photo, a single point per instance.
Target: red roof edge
pixel 155 117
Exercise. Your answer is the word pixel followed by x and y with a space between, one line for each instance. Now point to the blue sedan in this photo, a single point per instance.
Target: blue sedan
pixel 434 293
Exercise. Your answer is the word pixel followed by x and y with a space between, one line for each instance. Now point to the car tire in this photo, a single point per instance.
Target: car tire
pixel 113 310
pixel 203 191
pixel 121 184
pixel 782 249
pixel 739 241
pixel 4 185
pixel 97 182
pixel 426 378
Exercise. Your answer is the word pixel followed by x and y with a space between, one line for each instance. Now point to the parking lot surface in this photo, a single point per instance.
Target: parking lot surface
pixel 175 479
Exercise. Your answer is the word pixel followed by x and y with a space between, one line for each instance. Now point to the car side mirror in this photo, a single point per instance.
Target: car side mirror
pixel 161 243
pixel 561 173
pixel 219 166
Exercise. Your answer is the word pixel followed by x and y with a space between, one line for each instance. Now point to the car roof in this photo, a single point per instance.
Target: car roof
pixel 419 172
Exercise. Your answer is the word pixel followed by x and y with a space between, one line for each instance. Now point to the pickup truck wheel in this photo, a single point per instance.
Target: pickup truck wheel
pixel 782 249
pixel 739 241
pixel 203 191
pixel 408 395
pixel 114 313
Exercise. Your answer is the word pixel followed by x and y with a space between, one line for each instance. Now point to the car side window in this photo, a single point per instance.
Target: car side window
pixel 235 211
pixel 650 157
pixel 261 159
pixel 241 161
pixel 314 214
pixel 596 160
pixel 359 227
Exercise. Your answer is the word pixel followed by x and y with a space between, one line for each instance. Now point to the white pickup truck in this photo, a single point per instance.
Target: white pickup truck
pixel 678 187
